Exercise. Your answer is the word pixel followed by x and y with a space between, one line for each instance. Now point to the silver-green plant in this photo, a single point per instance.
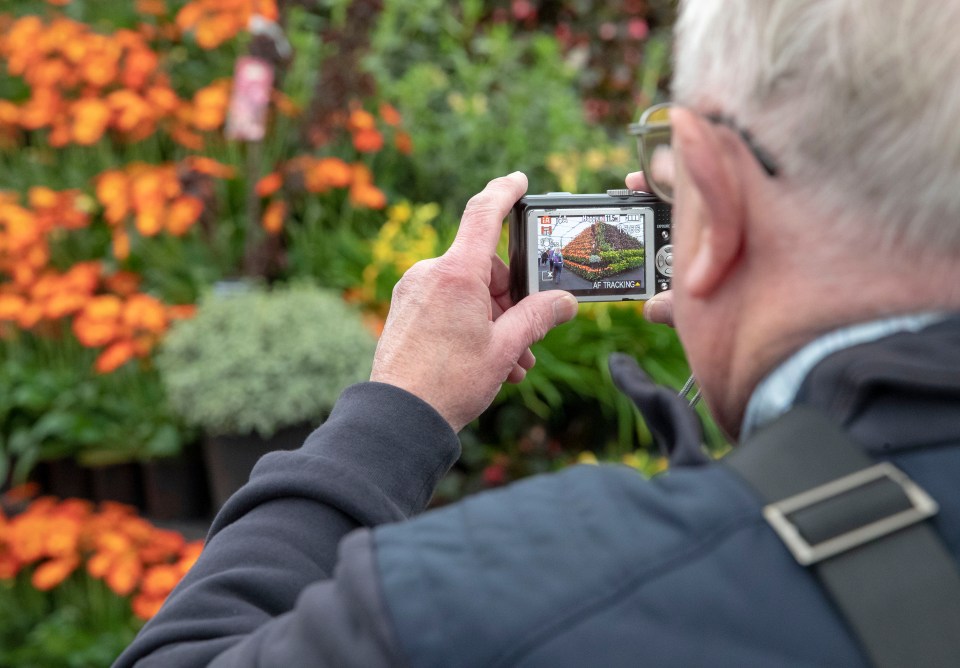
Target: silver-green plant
pixel 260 360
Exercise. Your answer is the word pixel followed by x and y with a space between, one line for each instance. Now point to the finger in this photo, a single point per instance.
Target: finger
pixel 637 181
pixel 483 218
pixel 529 321
pixel 659 308
pixel 517 375
pixel 527 360
pixel 499 287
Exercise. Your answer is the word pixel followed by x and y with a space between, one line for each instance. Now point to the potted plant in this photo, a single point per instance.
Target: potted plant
pixel 258 369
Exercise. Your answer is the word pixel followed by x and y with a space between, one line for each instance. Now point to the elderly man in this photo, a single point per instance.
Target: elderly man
pixel 817 245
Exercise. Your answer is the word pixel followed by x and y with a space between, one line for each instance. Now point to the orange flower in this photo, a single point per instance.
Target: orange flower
pixel 368 196
pixel 210 167
pixel 123 574
pixel 63 304
pixel 214 31
pixel 152 7
pixel 120 244
pixel 183 213
pixel 11 306
pixel 9 566
pixel 83 277
pixel 210 106
pixel 30 316
pixel 163 99
pixel 390 115
pixel 51 573
pixel 285 105
pixel 62 535
pixel 361 120
pixel 150 221
pixel 368 141
pixel 145 607
pixel 190 555
pixel 114 357
pixel 90 119
pixel 274 216
pixel 123 283
pixel 99 322
pixel 40 110
pixel 131 112
pixel 403 142
pixel 145 313
pixel 329 173
pixel 160 580
pixel 139 66
pixel 187 137
pixel 269 184
pixel 113 191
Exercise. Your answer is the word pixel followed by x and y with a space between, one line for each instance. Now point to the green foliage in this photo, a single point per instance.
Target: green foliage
pixel 480 100
pixel 570 389
pixel 55 405
pixel 259 360
pixel 80 624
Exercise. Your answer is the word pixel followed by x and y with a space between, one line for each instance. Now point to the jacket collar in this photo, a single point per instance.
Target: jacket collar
pixel 897 393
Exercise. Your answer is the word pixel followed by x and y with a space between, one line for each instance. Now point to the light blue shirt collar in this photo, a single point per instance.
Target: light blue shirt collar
pixel 776 393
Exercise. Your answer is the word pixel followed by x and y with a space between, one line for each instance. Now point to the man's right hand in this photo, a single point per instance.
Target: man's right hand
pixel 659 308
pixel 454 335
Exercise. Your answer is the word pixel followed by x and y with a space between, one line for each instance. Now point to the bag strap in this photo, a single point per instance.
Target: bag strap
pixel 859 526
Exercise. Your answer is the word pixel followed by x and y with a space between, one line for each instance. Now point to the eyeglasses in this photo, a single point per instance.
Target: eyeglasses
pixel 654 135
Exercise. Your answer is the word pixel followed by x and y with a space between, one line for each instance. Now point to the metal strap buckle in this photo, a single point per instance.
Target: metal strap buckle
pixel 776 514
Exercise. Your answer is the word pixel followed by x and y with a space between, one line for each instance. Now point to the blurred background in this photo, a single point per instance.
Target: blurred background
pixel 204 207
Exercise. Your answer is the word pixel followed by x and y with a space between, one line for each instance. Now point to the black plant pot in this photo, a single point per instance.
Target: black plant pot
pixel 231 458
pixel 118 482
pixel 66 479
pixel 175 488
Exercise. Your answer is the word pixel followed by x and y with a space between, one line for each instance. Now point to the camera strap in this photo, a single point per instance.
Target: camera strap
pixel 860 527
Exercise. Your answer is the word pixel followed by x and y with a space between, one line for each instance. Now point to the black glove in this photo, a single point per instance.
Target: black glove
pixel 674 424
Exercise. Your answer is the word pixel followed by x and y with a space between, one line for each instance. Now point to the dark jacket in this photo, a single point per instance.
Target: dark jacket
pixel 593 566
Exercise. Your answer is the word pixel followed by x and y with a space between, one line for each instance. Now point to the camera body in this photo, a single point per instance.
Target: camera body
pixel 600 248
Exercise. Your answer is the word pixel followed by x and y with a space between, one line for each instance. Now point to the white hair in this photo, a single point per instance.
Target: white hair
pixel 858 101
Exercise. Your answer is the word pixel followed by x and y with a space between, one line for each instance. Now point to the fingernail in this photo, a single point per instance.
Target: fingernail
pixel 564 309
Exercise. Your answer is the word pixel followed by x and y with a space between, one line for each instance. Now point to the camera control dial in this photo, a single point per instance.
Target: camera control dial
pixel 665 260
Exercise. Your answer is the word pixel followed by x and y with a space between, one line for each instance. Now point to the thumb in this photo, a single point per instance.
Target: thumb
pixel 529 320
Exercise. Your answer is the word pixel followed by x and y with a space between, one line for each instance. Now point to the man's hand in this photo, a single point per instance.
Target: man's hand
pixel 659 308
pixel 453 335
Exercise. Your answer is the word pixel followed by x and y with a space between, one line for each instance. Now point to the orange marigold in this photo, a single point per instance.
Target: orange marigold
pixel 51 573
pixel 90 120
pixel 403 142
pixel 146 313
pixel 115 356
pixel 210 167
pixel 123 283
pixel 368 141
pixel 145 607
pixel 182 214
pixel 390 115
pixel 368 196
pixel 269 184
pixel 361 120
pixel 10 306
pixel 274 216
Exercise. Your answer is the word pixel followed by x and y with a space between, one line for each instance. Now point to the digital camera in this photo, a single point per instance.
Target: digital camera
pixel 612 247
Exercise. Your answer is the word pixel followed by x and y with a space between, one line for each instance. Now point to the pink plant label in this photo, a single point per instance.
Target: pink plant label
pixel 252 84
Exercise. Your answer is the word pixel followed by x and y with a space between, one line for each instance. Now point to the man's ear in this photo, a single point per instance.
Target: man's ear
pixel 706 153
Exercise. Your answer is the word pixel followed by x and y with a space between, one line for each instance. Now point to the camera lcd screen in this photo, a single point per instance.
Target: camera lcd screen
pixel 592 253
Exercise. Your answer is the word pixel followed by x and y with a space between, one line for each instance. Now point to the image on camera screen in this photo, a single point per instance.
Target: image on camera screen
pixel 592 252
